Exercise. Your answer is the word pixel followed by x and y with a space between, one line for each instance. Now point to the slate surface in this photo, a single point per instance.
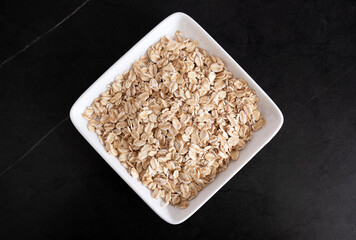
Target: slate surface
pixel 302 185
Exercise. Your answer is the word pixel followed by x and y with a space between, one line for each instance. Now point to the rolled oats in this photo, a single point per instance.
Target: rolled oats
pixel 175 119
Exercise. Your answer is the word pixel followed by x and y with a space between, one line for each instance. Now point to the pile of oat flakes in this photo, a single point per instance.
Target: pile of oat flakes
pixel 175 119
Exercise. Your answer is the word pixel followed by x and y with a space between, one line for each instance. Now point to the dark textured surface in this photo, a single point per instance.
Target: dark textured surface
pixel 302 185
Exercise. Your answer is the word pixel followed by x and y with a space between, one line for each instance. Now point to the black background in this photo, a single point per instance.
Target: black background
pixel 302 185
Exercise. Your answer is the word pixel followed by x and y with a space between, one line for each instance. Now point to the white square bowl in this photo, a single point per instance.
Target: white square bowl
pixel 192 30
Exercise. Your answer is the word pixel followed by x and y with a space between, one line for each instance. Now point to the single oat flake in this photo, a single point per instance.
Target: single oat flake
pixel 175 119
